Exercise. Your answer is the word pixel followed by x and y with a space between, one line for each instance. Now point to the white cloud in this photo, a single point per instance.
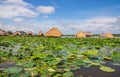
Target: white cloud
pixel 14 8
pixel 46 9
pixel 15 2
pixel 8 27
pixel 103 20
pixel 95 25
pixel 18 19
pixel 69 27
pixel 19 8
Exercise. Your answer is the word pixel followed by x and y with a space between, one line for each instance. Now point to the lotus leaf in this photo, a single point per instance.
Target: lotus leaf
pixel 29 64
pixel 92 52
pixel 67 74
pixel 106 69
pixel 13 70
pixel 116 64
pixel 54 57
pixel 51 70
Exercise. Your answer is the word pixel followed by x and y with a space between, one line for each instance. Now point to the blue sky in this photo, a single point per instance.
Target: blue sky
pixel 70 16
pixel 76 9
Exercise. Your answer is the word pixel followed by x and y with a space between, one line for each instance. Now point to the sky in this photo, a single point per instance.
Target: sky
pixel 69 16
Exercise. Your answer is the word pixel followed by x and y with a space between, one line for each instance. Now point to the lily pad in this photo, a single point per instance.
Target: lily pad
pixel 107 69
pixel 92 52
pixel 13 70
pixel 67 74
pixel 29 64
pixel 116 64
pixel 51 70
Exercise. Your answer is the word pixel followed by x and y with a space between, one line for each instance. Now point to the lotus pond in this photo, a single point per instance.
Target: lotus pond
pixel 23 56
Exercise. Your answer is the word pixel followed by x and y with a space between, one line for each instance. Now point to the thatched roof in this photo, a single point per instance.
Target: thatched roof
pixel 106 35
pixel 40 33
pixel 30 33
pixel 2 32
pixel 80 35
pixel 54 32
pixel 88 34
pixel 109 35
pixel 19 33
pixel 102 35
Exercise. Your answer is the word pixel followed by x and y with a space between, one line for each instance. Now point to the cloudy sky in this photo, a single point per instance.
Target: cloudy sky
pixel 70 16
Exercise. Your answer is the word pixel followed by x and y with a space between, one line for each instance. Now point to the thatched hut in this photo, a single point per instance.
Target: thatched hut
pixel 109 35
pixel 54 32
pixel 3 33
pixel 30 33
pixel 102 35
pixel 106 35
pixel 88 34
pixel 40 34
pixel 19 33
pixel 80 35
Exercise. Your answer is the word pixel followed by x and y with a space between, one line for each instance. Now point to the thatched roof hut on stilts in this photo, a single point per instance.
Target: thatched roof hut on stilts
pixel 102 35
pixel 30 33
pixel 80 35
pixel 40 34
pixel 88 34
pixel 3 33
pixel 109 35
pixel 17 33
pixel 54 32
pixel 106 35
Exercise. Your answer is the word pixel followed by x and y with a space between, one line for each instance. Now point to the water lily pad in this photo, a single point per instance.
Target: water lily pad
pixel 92 52
pixel 29 64
pixel 96 64
pixel 108 58
pixel 51 70
pixel 13 70
pixel 67 69
pixel 116 64
pixel 107 69
pixel 67 74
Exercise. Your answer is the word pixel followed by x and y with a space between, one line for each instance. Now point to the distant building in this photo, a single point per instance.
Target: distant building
pixel 19 33
pixel 102 35
pixel 3 33
pixel 30 33
pixel 88 34
pixel 40 34
pixel 109 35
pixel 80 35
pixel 106 35
pixel 54 32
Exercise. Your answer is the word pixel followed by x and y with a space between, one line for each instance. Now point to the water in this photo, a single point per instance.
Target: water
pixel 96 72
pixel 68 36
pixel 71 36
pixel 12 49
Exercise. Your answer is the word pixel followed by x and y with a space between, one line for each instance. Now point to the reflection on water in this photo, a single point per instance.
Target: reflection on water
pixel 94 71
pixel 12 49
pixel 73 36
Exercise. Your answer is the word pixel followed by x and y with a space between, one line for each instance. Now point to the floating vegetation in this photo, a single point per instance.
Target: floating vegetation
pixel 56 57
pixel 107 69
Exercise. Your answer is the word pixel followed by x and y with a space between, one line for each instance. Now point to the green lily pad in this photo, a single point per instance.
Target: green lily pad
pixel 107 69
pixel 92 52
pixel 67 69
pixel 51 70
pixel 13 70
pixel 67 74
pixel 116 64
pixel 96 64
pixel 29 64
pixel 16 75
